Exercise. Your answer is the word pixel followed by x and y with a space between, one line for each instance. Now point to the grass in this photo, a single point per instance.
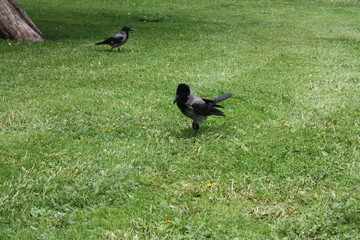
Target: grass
pixel 91 146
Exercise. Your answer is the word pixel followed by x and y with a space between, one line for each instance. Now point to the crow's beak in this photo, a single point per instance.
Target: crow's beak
pixel 176 99
pixel 131 29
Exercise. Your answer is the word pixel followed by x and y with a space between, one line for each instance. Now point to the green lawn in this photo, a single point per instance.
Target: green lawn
pixel 91 146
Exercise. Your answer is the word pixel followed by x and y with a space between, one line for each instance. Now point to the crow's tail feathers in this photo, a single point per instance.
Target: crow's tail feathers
pixel 99 43
pixel 222 97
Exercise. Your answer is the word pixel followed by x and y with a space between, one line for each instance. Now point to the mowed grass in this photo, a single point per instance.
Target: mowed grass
pixel 91 146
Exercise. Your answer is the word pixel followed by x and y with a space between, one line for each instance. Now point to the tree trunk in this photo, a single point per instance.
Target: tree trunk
pixel 16 24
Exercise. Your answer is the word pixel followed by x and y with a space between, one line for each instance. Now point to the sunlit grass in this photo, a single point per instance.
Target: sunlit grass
pixel 91 146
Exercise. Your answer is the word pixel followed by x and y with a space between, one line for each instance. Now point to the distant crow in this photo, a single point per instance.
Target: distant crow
pixel 118 39
pixel 197 108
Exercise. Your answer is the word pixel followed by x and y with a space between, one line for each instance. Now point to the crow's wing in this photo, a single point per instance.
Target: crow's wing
pixel 211 103
pixel 111 40
pixel 206 109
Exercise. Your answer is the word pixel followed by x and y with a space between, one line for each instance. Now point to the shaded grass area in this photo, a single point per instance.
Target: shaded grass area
pixel 92 147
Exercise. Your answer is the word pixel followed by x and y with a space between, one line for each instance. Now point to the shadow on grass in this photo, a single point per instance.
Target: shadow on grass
pixel 82 21
pixel 188 133
pixel 59 25
pixel 107 50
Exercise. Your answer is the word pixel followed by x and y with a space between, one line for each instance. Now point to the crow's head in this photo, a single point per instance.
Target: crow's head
pixel 127 29
pixel 182 93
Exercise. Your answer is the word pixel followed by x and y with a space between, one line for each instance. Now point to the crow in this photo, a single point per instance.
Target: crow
pixel 118 39
pixel 197 108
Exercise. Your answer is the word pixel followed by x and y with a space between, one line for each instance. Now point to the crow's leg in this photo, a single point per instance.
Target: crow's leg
pixel 119 49
pixel 111 49
pixel 196 127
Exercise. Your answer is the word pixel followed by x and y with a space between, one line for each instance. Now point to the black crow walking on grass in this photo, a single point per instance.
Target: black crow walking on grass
pixel 197 108
pixel 117 40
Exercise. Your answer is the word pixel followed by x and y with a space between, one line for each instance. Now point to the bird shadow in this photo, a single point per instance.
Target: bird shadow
pixel 185 133
pixel 188 133
pixel 110 52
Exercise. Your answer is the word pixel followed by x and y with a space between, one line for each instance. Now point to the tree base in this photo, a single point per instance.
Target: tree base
pixel 16 24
